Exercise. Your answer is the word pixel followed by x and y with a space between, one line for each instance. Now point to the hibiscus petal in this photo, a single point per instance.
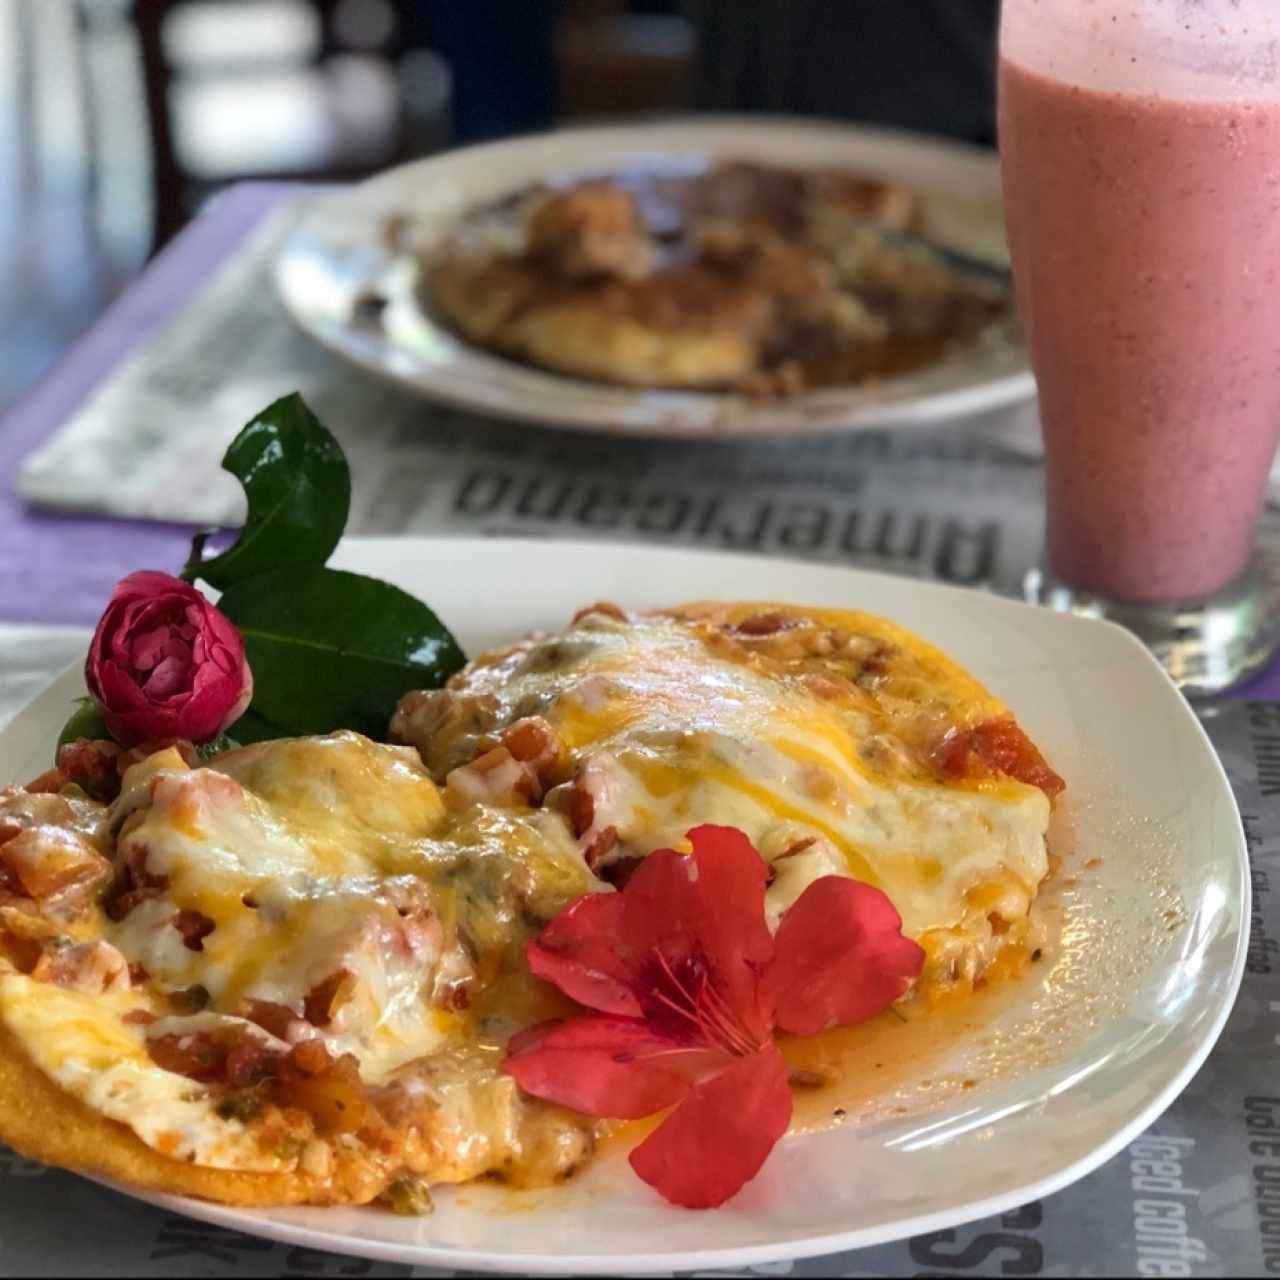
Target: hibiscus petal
pixel 578 952
pixel 677 913
pixel 731 927
pixel 602 950
pixel 662 905
pixel 715 1141
pixel 605 1066
pixel 841 958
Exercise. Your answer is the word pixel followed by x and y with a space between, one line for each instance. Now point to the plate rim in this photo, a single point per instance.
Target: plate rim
pixel 682 414
pixel 255 1222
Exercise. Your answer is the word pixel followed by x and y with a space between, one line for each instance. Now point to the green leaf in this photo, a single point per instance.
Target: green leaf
pixel 251 727
pixel 296 479
pixel 86 722
pixel 333 650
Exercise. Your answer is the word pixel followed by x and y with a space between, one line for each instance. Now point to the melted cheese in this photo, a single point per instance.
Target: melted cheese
pixel 81 1042
pixel 675 732
pixel 310 857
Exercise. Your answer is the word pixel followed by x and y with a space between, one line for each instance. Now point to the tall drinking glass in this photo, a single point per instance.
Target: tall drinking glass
pixel 1140 146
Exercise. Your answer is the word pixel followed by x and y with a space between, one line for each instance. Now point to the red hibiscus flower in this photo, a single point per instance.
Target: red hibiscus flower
pixel 690 985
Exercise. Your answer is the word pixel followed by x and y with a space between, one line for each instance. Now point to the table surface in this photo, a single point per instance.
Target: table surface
pixel 56 571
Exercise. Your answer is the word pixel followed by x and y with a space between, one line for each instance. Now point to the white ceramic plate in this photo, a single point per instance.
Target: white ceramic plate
pixel 1082 1055
pixel 337 252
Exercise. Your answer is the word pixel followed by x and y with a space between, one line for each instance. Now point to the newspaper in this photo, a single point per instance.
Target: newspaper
pixel 1198 1195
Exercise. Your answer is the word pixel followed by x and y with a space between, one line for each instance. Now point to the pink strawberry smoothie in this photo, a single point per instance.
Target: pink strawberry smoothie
pixel 1145 234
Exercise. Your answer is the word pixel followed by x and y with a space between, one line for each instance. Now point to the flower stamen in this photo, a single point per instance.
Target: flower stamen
pixel 721 1024
pixel 707 1010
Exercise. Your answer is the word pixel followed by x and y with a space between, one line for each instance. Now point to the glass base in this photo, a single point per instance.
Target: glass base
pixel 1207 646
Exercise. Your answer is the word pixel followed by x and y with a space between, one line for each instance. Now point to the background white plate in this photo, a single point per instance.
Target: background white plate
pixel 1111 1034
pixel 338 251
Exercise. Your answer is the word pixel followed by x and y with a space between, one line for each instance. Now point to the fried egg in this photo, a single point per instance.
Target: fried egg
pixel 289 975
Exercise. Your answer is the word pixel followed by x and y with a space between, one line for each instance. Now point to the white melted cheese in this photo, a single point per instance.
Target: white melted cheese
pixel 674 735
pixel 299 854
pixel 308 857
pixel 81 1043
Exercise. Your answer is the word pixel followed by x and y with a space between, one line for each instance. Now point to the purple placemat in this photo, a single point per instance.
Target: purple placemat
pixel 1263 688
pixel 57 568
pixel 60 568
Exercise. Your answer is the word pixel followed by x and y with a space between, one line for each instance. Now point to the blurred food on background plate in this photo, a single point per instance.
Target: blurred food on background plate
pixel 740 276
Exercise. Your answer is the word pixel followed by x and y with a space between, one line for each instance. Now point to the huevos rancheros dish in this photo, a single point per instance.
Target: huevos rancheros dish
pixel 594 876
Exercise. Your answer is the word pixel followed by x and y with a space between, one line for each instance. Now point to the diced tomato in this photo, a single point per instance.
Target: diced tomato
pixel 534 742
pixel 199 1055
pixel 600 847
pixel 250 1061
pixel 580 801
pixel 134 884
pixel 766 624
pixel 995 747
pixel 229 1055
pixel 324 1001
pixel 275 1019
pixel 91 764
pixel 44 861
pixel 604 607
pixel 94 967
pixel 577 801
pixel 194 928
pixel 496 778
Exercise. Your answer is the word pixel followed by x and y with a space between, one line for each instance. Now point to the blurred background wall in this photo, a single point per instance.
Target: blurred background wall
pixel 119 118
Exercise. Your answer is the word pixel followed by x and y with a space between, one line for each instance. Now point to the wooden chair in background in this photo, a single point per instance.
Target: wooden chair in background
pixel 515 64
pixel 340 151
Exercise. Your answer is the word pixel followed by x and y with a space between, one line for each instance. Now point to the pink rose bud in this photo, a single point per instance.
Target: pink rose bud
pixel 164 663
